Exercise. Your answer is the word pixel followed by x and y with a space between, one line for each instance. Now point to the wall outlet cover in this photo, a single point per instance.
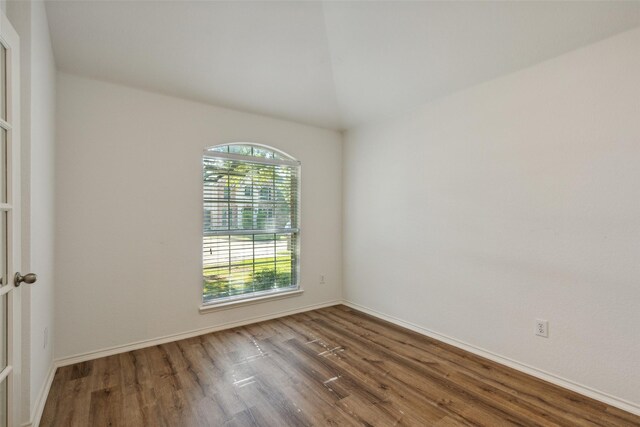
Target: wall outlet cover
pixel 542 328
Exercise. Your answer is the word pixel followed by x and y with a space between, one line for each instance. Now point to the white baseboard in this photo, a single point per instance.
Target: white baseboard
pixel 538 373
pixel 83 357
pixel 554 379
pixel 38 407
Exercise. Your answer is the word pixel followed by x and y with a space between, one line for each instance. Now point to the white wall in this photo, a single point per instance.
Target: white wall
pixel 38 80
pixel 129 212
pixel 510 201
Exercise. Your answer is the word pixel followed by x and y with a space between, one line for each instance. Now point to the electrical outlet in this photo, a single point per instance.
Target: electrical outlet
pixel 46 337
pixel 542 328
pixel 322 282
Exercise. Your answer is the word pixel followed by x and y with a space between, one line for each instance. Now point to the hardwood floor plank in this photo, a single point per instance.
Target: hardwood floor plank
pixel 437 394
pixel 454 373
pixel 73 405
pixel 276 372
pixel 245 418
pixel 106 373
pixel 372 370
pixel 329 367
pixel 532 390
pixel 80 370
pixel 106 408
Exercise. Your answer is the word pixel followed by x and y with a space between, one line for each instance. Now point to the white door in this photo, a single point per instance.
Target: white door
pixel 9 225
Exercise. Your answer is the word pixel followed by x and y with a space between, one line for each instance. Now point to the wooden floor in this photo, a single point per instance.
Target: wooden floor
pixel 329 367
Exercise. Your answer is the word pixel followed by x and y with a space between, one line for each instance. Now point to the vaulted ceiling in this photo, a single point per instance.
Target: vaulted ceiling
pixel 333 64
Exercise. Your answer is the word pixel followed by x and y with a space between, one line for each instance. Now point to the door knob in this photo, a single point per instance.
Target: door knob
pixel 27 278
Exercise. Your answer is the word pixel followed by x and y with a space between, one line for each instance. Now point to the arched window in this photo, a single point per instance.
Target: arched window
pixel 250 230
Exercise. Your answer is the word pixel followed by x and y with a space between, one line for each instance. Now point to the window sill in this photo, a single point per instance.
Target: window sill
pixel 208 308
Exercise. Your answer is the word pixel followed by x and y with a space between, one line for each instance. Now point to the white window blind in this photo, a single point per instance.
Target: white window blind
pixel 250 229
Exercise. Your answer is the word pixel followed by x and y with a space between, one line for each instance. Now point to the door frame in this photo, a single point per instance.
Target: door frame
pixel 11 41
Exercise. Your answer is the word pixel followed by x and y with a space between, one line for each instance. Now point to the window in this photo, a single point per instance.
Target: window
pixel 250 229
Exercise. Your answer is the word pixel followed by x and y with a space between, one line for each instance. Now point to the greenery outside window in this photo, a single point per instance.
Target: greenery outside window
pixel 250 228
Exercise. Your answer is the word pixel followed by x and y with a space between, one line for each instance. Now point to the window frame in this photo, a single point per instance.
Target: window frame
pixel 260 296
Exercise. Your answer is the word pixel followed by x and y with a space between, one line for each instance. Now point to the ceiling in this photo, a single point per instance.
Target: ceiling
pixel 332 64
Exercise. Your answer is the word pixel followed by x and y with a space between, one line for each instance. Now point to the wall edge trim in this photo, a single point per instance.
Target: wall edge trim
pixel 511 363
pixel 41 400
pixel 110 351
pixel 514 364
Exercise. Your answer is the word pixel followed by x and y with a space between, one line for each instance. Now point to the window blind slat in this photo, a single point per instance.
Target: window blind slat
pixel 250 228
